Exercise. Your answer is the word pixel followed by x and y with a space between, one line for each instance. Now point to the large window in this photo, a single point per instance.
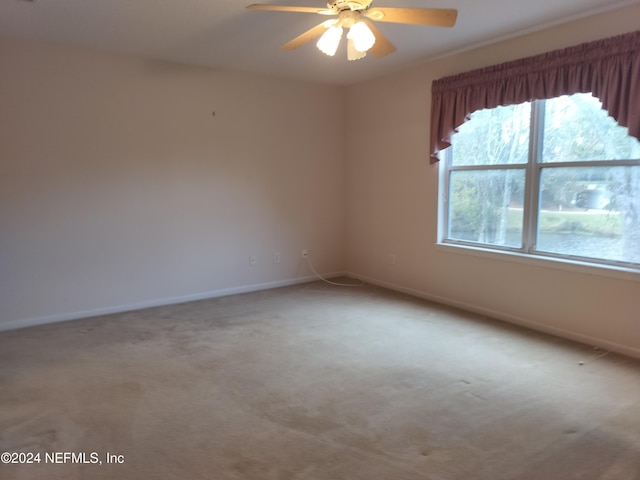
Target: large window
pixel 555 177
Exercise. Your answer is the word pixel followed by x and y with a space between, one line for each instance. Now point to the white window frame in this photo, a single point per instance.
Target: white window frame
pixel 527 254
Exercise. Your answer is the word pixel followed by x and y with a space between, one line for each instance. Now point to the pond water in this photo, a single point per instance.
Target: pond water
pixel 608 248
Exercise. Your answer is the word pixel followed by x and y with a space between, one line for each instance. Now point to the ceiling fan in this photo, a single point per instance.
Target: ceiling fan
pixel 356 15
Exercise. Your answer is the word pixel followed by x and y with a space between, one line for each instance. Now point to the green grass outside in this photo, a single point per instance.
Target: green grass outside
pixel 601 224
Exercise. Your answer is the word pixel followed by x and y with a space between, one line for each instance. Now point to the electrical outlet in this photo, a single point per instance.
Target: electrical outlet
pixel 392 259
pixel 252 260
pixel 276 257
pixel 305 253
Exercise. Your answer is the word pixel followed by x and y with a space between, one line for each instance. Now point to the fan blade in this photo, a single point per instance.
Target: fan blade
pixel 305 37
pixel 436 17
pixel 383 46
pixel 282 8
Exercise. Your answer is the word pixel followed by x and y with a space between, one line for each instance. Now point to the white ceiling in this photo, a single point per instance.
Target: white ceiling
pixel 224 35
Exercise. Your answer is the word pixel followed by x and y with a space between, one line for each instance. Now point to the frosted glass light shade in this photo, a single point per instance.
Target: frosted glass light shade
pixel 329 41
pixel 362 36
pixel 352 52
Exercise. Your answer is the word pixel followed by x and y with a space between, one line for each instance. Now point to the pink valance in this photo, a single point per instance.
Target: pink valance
pixel 609 68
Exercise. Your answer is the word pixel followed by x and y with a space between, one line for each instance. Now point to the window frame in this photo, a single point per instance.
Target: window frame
pixel 528 252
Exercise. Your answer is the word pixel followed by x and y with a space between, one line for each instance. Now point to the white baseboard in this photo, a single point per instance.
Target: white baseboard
pixel 63 317
pixel 523 322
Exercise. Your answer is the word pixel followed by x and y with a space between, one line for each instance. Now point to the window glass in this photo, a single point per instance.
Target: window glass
pixel 499 195
pixel 590 212
pixel 486 206
pixel 577 129
pixel 505 134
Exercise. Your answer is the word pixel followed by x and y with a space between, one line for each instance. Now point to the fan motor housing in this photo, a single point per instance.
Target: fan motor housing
pixel 340 5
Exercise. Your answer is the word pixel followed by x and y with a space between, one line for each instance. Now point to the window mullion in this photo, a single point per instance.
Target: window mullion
pixel 532 182
pixel 594 163
pixel 500 166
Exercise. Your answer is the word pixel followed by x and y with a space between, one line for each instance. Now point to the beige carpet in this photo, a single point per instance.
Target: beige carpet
pixel 314 382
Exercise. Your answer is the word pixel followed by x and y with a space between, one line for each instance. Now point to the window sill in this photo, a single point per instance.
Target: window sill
pixel 538 260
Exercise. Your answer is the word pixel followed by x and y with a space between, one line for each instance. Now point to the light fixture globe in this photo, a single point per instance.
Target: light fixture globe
pixel 352 52
pixel 329 41
pixel 362 36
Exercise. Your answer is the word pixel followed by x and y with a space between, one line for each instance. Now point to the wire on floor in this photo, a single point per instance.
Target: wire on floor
pixel 607 352
pixel 329 281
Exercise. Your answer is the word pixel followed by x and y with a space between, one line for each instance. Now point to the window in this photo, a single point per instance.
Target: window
pixel 555 177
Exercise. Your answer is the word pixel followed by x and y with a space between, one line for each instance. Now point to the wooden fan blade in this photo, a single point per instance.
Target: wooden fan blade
pixel 436 17
pixel 305 37
pixel 383 46
pixel 283 8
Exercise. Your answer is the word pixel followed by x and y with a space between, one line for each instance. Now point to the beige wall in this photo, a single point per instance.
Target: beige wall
pixel 392 207
pixel 119 188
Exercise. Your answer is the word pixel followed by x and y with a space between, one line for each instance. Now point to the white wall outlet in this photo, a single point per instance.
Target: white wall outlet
pixel 276 257
pixel 392 259
pixel 305 253
pixel 252 260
